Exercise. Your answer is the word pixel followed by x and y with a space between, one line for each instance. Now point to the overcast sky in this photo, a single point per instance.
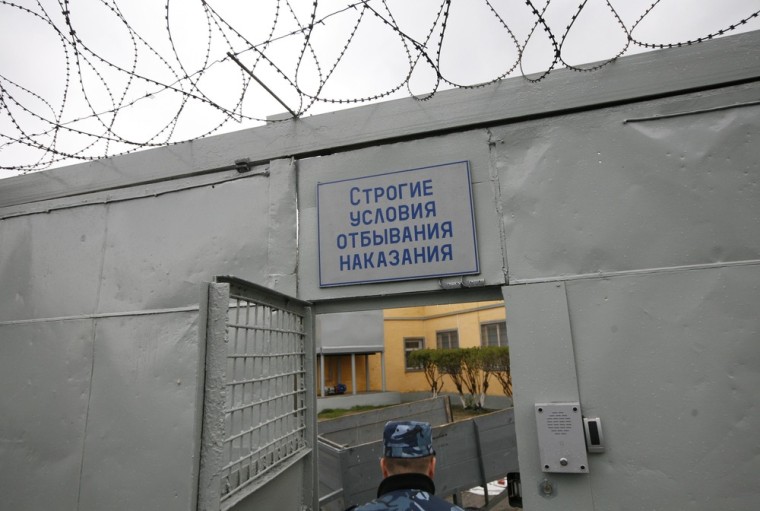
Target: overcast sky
pixel 476 48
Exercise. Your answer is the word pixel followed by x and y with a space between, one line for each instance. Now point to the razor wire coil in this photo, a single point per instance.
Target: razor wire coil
pixel 87 115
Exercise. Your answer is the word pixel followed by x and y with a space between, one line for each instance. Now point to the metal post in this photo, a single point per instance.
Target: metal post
pixel 230 55
pixel 353 373
pixel 382 369
pixel 212 439
pixel 366 371
pixel 311 477
pixel 479 450
pixel 321 373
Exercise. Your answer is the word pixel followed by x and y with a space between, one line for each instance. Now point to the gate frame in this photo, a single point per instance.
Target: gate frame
pixel 212 437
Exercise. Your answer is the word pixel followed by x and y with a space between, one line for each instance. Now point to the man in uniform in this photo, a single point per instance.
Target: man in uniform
pixel 408 466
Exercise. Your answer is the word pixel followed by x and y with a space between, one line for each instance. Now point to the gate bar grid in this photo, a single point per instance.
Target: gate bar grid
pixel 259 411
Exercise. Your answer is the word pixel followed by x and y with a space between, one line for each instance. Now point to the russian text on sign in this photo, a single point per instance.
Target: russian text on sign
pixel 395 235
pixel 401 213
pixel 408 224
pixel 400 191
pixel 406 256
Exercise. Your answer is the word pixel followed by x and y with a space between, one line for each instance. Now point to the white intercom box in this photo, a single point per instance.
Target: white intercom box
pixel 561 442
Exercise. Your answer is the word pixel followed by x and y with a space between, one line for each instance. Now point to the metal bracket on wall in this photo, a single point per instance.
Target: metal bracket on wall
pixel 243 165
pixel 450 284
pixel 460 282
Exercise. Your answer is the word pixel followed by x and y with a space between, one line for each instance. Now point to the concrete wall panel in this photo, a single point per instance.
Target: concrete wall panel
pixel 671 363
pixel 50 263
pixel 618 189
pixel 543 370
pixel 130 251
pixel 45 372
pixel 159 249
pixel 141 443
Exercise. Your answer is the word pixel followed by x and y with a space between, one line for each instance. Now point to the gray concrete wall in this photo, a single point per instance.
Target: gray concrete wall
pixel 101 343
pixel 100 413
pixel 629 188
pixel 678 412
pixel 647 214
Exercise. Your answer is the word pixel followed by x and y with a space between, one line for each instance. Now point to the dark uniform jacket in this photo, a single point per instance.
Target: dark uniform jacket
pixel 407 492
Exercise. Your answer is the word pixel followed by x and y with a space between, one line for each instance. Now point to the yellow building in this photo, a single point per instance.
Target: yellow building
pixel 462 325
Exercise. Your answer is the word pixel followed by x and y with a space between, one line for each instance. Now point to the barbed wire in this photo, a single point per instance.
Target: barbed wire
pixel 80 82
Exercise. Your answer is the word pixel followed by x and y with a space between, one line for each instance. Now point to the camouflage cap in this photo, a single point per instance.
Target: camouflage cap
pixel 407 439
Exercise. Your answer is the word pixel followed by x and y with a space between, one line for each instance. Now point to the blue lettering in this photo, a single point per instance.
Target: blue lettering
pixel 419 255
pixel 429 208
pixel 368 260
pixel 447 229
pixel 416 210
pixel 419 232
pixel 354 202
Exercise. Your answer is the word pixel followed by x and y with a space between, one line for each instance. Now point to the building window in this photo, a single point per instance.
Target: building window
pixel 447 339
pixel 493 334
pixel 411 345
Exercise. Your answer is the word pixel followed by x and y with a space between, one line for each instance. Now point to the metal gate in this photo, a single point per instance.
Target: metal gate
pixel 259 402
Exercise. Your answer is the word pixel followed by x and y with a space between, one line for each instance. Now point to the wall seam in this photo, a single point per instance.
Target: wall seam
pixel 111 200
pixel 102 315
pixel 87 411
pixel 628 273
pixel 498 203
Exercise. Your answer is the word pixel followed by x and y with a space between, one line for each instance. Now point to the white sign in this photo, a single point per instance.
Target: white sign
pixel 410 224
